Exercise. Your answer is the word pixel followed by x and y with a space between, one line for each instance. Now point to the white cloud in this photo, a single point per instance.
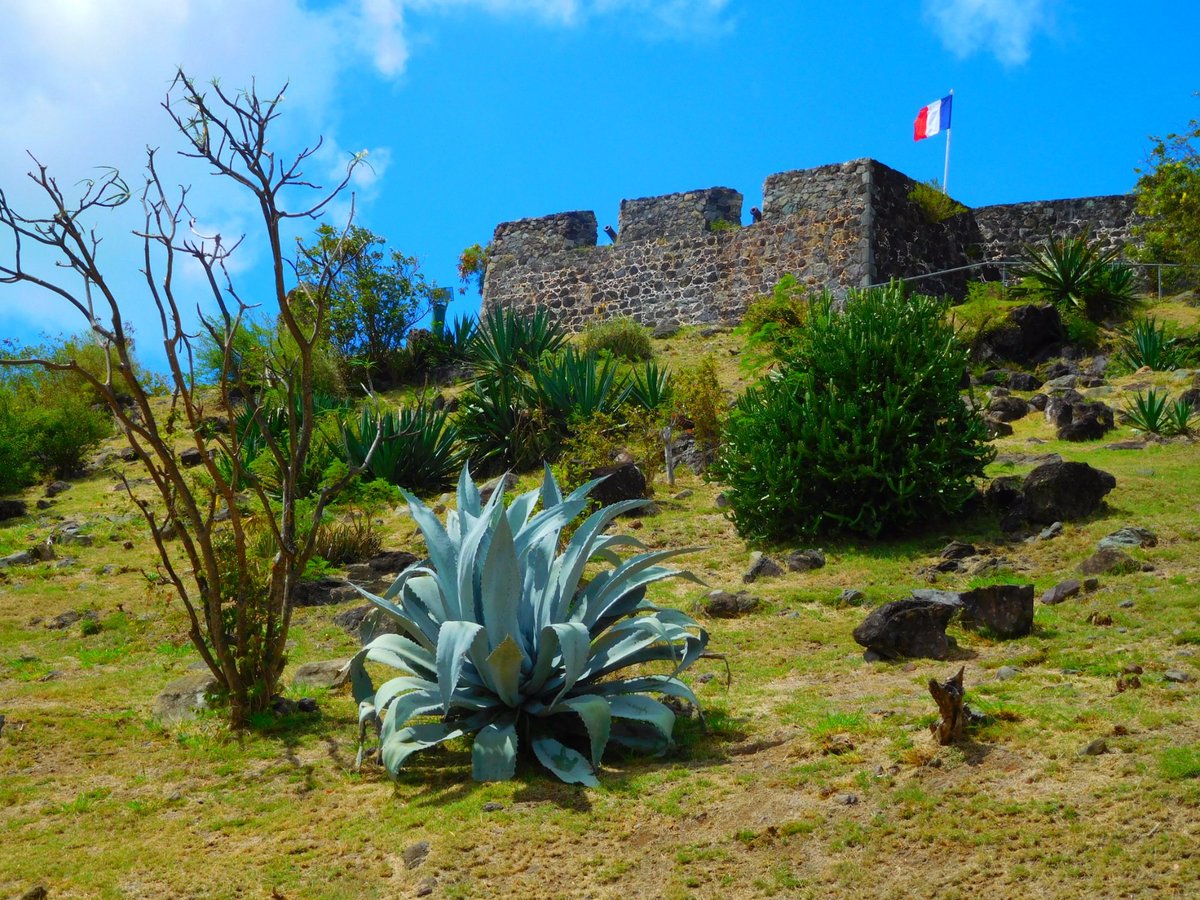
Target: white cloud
pixel 1004 28
pixel 82 81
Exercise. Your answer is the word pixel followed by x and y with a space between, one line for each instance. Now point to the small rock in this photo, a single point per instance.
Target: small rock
pixel 722 500
pixel 1091 585
pixel 1051 531
pixel 1095 748
pixel 64 620
pixel 1112 562
pixel 127 545
pixel 1006 609
pixel 493 807
pixel 38 892
pixel 1006 672
pixel 682 495
pixel 392 561
pixel 508 480
pixel 1061 592
pixel 330 674
pixel 957 550
pixel 1132 669
pixel 1129 537
pixel 1103 620
pixel 307 705
pixel 1177 676
pixel 724 605
pixel 43 503
pixel 426 887
pixel 415 855
pixel 1126 604
pixel 1057 492
pixel 848 799
pixel 761 566
pixel 805 560
pixel 282 706
pixel 851 597
pixel 913 627
pixel 21 558
pixel 54 488
pixel 705 678
pixel 184 696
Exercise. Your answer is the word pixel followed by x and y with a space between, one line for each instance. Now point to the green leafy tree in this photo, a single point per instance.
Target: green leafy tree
pixel 1168 195
pixel 377 295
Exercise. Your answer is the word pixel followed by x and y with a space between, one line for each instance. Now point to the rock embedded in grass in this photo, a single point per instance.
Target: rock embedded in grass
pixel 726 605
pixel 1111 561
pixel 761 566
pixel 184 696
pixel 329 674
pixel 805 560
pixel 1062 491
pixel 1128 537
pixel 914 627
pixel 1061 591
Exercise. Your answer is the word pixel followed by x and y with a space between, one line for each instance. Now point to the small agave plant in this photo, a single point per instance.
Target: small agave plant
pixel 504 641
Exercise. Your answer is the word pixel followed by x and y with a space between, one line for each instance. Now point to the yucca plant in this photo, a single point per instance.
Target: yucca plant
pixel 1145 343
pixel 418 449
pixel 502 426
pixel 1181 417
pixel 503 642
pixel 650 386
pixel 506 340
pixel 1071 271
pixel 577 385
pixel 1148 412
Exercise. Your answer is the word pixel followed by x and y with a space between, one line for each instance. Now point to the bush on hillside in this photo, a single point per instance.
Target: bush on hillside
pixel 862 430
pixel 1077 276
pixel 622 336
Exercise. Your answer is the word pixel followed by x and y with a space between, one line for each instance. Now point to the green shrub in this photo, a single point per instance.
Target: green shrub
pixel 418 449
pixel 1071 272
pixel 1145 343
pixel 935 204
pixel 650 387
pixel 772 321
pixel 862 430
pixel 622 336
pixel 506 340
pixel 501 425
pixel 595 442
pixel 574 385
pixel 504 642
pixel 352 538
pixel 698 403
pixel 1152 413
pixel 63 430
pixel 17 466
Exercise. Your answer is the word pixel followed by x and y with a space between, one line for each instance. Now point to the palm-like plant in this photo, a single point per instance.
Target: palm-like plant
pixel 1070 271
pixel 503 641
pixel 506 340
pixel 1148 412
pixel 1145 343
pixel 578 385
pixel 418 447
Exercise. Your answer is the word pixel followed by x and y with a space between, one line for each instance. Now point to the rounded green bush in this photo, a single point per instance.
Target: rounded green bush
pixel 861 430
pixel 622 336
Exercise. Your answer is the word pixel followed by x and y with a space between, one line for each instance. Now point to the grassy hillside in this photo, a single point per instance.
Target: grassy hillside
pixel 817 777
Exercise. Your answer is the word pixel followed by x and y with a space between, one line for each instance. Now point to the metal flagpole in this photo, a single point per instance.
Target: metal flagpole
pixel 946 170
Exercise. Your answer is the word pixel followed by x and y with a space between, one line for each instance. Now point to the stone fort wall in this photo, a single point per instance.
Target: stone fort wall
pixel 685 258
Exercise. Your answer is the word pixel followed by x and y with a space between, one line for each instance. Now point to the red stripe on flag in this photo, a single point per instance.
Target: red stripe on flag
pixel 919 124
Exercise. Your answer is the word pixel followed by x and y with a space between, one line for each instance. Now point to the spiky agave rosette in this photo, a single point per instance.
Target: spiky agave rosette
pixel 501 643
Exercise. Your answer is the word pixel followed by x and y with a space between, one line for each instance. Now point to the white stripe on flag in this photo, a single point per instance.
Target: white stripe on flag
pixel 933 118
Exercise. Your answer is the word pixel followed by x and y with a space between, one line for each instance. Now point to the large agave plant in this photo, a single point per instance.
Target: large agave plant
pixel 505 642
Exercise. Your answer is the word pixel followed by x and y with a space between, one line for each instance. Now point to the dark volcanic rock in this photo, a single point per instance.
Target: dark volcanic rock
pixel 761 566
pixel 12 509
pixel 1008 409
pixel 1006 609
pixel 359 622
pixel 324 592
pixel 724 605
pixel 1059 492
pixel 184 696
pixel 1061 591
pixel 1089 422
pixel 1023 381
pixel 1027 334
pixel 805 560
pixel 1112 561
pixel 1129 536
pixel 392 561
pixel 621 482
pixel 915 626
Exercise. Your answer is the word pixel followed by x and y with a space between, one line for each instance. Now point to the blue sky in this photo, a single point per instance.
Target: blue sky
pixel 479 111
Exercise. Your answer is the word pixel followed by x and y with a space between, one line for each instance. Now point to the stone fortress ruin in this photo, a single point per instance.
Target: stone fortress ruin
pixel 687 259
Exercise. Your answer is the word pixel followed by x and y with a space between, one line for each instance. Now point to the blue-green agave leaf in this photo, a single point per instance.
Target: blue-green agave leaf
pixel 597 718
pixel 494 752
pixel 502 669
pixel 500 592
pixel 442 552
pixel 469 500
pixel 407 741
pixel 644 709
pixel 454 640
pixel 569 765
pixel 562 651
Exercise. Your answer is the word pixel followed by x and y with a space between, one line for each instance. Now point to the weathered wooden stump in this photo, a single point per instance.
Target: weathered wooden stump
pixel 950 697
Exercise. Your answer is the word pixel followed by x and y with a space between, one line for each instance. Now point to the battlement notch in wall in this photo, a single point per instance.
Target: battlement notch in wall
pixel 527 238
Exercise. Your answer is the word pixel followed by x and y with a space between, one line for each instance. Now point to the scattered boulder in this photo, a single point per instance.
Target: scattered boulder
pixel 508 479
pixel 1004 673
pixel 323 592
pixel 54 488
pixel 392 561
pixel 1062 491
pixel 1038 402
pixel 1051 531
pixel 1023 381
pixel 1126 445
pixel 1006 609
pixel 805 560
pixel 191 457
pixel 915 626
pixel 356 623
pixel 1128 537
pixel 1027 334
pixel 725 605
pixel 1111 561
pixel 851 597
pixel 1008 409
pixel 330 674
pixel 184 696
pixel 621 482
pixel 12 509
pixel 1089 422
pixel 1061 591
pixel 416 854
pixel 1097 747
pixel 20 558
pixel 957 550
pixel 761 566
pixel 1177 676
pixel 996 428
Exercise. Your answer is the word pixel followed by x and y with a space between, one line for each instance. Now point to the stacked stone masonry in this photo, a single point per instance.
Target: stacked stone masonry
pixel 686 259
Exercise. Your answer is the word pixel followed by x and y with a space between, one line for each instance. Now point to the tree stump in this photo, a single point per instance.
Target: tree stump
pixel 950 697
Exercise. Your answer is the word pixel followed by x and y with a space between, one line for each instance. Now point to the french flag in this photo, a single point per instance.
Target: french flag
pixel 933 118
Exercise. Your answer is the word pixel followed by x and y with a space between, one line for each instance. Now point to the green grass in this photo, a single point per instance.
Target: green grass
pixel 104 801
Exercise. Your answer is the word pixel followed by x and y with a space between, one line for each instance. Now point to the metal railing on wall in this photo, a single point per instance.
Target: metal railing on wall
pixel 1008 267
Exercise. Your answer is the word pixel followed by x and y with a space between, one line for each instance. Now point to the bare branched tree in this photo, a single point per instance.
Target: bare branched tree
pixel 239 617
